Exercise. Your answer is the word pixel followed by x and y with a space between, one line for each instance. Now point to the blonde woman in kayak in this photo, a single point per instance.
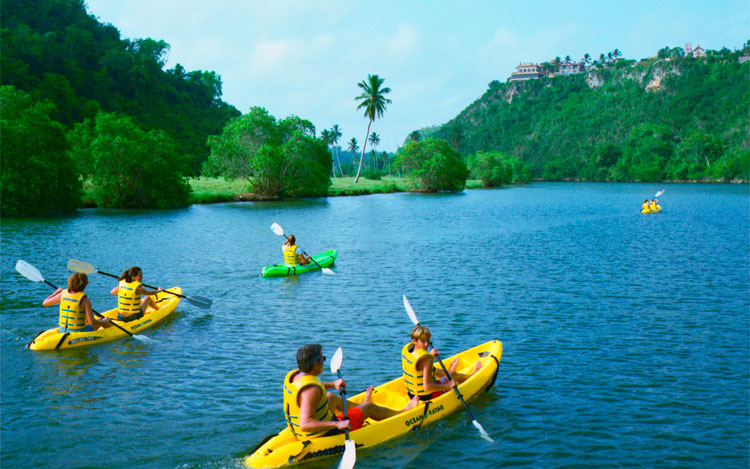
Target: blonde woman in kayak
pixel 290 253
pixel 311 411
pixel 132 298
pixel 76 312
pixel 419 371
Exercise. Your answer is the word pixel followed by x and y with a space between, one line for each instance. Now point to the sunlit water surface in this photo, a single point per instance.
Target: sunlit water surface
pixel 625 335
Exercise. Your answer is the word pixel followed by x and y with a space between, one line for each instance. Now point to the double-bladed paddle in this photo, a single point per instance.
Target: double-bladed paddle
pixel 350 448
pixel 79 266
pixel 276 228
pixel 482 432
pixel 659 194
pixel 33 274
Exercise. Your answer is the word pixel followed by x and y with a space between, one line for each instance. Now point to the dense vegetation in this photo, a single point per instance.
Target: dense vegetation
pixel 433 164
pixel 38 175
pixel 278 158
pixel 683 118
pixel 54 50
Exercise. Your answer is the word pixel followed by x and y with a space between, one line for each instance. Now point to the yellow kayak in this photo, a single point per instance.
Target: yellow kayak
pixel 53 339
pixel 650 209
pixel 284 448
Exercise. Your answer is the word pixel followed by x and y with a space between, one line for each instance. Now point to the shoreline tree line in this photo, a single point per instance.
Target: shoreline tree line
pixel 86 110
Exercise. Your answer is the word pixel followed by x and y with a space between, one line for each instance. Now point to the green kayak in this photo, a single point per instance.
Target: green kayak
pixel 325 259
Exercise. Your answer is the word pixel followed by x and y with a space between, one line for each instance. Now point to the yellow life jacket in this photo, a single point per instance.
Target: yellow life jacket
pixel 644 206
pixel 652 206
pixel 127 301
pixel 414 377
pixel 72 315
pixel 290 255
pixel 292 408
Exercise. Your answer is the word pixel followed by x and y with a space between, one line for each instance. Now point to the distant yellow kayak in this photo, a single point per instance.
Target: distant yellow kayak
pixel 284 448
pixel 656 209
pixel 53 339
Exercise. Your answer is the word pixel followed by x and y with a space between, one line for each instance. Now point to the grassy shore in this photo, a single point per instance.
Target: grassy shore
pixel 213 190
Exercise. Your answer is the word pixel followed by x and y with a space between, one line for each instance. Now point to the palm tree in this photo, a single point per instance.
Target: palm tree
pixel 374 103
pixel 616 53
pixel 609 56
pixel 374 142
pixel 568 59
pixel 335 136
pixel 602 59
pixel 353 147
pixel 414 136
pixel 586 58
pixel 325 135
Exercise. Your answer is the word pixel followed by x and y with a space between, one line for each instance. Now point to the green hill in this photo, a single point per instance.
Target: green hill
pixel 668 118
pixel 54 50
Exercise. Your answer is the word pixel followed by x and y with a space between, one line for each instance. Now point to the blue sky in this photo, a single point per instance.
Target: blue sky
pixel 306 57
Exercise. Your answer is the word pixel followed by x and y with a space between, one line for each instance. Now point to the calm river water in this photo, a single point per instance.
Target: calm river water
pixel 626 336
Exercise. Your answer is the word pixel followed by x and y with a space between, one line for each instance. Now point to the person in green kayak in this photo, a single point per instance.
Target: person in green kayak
pixel 291 257
pixel 311 411
pixel 76 312
pixel 419 371
pixel 132 298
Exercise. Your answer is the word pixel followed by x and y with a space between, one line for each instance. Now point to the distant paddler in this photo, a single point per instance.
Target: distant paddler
pixel 292 256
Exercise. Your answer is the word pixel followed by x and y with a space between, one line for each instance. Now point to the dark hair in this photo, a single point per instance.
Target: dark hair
pixel 307 355
pixel 291 240
pixel 130 273
pixel 77 282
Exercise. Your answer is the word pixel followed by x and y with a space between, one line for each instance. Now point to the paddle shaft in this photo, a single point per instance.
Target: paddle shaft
pixel 99 314
pixel 455 388
pixel 343 402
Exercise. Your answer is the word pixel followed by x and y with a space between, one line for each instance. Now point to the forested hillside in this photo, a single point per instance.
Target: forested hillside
pixel 54 50
pixel 667 118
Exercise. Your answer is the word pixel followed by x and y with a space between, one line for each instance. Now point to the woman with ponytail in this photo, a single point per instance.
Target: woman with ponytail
pixel 132 298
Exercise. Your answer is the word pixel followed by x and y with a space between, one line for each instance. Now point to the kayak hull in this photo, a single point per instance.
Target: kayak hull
pixel 650 210
pixel 52 339
pixel 325 259
pixel 284 449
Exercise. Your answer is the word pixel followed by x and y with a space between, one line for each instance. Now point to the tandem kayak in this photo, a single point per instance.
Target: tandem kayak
pixel 325 259
pixel 656 209
pixel 53 339
pixel 284 448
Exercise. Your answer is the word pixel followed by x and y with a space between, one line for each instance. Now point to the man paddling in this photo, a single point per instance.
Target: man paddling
pixel 312 412
pixel 291 258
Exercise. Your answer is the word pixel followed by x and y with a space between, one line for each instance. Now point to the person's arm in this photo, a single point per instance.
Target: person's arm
pixel 337 385
pixel 115 290
pixel 90 316
pixel 308 397
pixel 53 299
pixel 427 363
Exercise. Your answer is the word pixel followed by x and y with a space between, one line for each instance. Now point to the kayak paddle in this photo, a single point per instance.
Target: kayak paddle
pixel 350 448
pixel 79 266
pixel 659 194
pixel 33 274
pixel 482 432
pixel 276 228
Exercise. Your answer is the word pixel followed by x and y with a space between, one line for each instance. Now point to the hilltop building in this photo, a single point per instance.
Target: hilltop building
pixel 570 68
pixel 527 71
pixel 698 52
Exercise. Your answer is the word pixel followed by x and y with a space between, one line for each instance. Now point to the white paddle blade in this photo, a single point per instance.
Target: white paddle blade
pixel 29 271
pixel 328 271
pixel 350 455
pixel 75 265
pixel 336 360
pixel 482 431
pixel 410 312
pixel 276 228
pixel 659 194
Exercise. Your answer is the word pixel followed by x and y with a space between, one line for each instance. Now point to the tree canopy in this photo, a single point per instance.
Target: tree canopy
pixel 433 164
pixel 278 158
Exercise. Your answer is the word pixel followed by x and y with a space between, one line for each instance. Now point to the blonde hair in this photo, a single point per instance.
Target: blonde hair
pixel 421 333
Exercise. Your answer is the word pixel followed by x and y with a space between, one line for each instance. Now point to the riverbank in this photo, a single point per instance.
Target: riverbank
pixel 214 190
